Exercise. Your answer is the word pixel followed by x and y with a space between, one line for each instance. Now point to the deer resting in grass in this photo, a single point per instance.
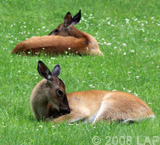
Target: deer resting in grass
pixel 64 38
pixel 50 101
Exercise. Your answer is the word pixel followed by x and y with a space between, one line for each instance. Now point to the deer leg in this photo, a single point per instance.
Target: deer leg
pixel 71 118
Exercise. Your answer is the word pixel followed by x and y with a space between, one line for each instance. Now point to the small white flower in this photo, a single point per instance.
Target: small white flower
pixel 41 126
pixel 137 77
pixel 129 91
pixel 132 51
pixel 69 48
pixel 124 45
pixel 152 18
pixel 124 53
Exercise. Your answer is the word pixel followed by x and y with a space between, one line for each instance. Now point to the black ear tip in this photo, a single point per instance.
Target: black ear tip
pixel 58 66
pixel 68 13
pixel 40 61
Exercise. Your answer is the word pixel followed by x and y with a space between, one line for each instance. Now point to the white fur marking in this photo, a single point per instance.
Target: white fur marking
pixel 139 119
pixel 99 112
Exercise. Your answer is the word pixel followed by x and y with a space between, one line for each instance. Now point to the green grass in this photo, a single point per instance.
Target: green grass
pixel 128 35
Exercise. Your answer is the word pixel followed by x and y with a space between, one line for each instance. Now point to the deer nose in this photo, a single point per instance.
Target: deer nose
pixel 68 111
pixel 65 111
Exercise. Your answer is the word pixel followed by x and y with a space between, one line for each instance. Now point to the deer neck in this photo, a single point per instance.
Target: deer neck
pixel 39 101
pixel 78 34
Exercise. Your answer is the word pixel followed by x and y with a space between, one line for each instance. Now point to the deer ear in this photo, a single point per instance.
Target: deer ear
pixel 76 18
pixel 68 19
pixel 56 70
pixel 44 71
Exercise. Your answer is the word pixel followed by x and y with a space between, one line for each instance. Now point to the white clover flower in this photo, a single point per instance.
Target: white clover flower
pixel 152 18
pixel 108 44
pixel 90 73
pixel 137 77
pixel 135 19
pixel 124 45
pixel 124 53
pixel 105 43
pixel 129 91
pixel 41 126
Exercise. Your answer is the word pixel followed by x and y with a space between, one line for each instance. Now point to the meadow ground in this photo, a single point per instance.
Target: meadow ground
pixel 128 33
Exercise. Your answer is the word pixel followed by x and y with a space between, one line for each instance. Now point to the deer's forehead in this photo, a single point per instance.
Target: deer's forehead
pixel 58 81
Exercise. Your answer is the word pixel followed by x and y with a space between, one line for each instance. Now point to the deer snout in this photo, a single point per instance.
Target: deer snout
pixel 64 110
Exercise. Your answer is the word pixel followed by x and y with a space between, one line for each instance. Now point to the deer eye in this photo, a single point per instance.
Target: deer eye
pixel 60 93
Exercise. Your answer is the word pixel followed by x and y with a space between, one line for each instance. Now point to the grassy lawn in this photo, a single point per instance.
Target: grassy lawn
pixel 128 33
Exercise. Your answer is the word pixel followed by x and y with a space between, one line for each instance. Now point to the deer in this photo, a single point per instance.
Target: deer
pixel 63 39
pixel 50 102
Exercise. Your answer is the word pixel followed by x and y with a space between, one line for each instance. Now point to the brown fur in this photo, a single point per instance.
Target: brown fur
pixel 116 106
pixel 68 39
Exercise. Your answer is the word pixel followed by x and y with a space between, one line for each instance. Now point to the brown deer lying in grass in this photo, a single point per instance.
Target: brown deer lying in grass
pixel 49 100
pixel 65 38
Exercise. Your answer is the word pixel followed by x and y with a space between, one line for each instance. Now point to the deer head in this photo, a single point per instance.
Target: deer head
pixel 67 28
pixel 54 88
